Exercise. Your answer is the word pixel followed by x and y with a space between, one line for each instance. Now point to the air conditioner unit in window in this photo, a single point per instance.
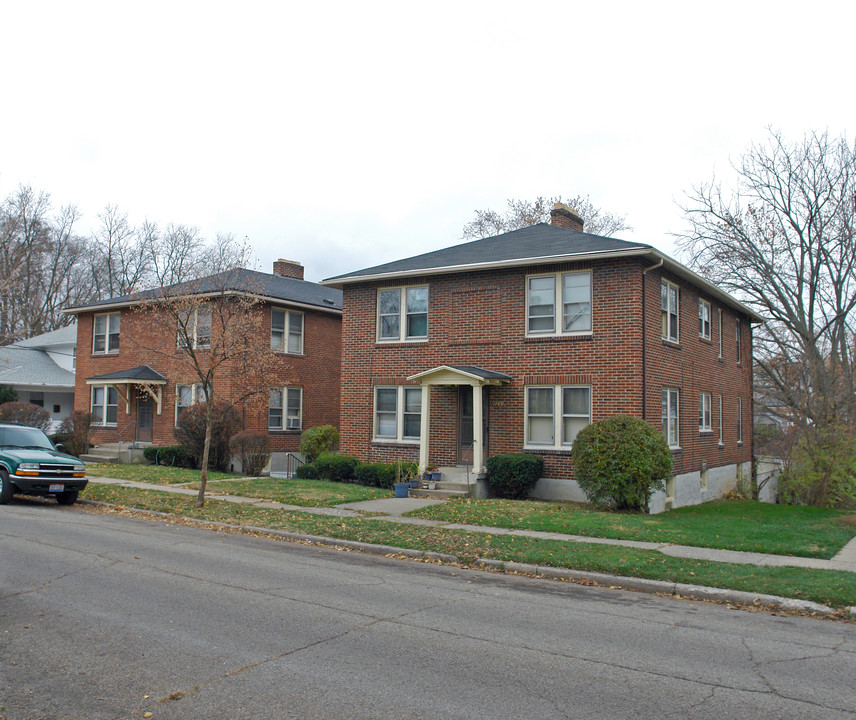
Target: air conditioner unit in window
pixel 293 424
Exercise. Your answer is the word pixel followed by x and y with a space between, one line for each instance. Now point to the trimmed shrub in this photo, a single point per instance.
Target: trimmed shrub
pixel 382 475
pixel 169 455
pixel 513 476
pixel 318 439
pixel 335 467
pixel 74 433
pixel 190 432
pixel 8 394
pixel 25 414
pixel 306 472
pixel 254 449
pixel 620 461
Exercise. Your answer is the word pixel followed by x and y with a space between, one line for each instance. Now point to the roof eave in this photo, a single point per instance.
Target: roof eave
pixel 217 293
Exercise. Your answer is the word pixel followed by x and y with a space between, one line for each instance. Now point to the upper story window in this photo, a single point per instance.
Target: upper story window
pixel 570 292
pixel 105 335
pixel 738 339
pixel 286 405
pixel 402 314
pixel 669 307
pixel 286 331
pixel 555 414
pixel 398 413
pixel 194 327
pixel 704 319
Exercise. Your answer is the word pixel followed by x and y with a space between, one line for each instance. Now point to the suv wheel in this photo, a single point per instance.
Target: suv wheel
pixel 68 497
pixel 5 487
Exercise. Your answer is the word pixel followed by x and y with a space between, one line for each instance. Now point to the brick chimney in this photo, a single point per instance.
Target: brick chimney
pixel 563 216
pixel 288 268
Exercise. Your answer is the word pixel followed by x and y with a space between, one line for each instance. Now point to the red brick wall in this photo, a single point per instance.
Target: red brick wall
pixel 316 371
pixel 479 319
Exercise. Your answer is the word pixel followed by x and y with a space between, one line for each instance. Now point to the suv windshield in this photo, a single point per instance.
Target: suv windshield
pixel 24 437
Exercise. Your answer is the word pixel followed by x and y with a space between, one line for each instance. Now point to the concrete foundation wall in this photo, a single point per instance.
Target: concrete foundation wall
pixel 690 488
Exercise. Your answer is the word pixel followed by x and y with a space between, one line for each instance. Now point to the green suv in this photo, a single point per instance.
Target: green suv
pixel 30 464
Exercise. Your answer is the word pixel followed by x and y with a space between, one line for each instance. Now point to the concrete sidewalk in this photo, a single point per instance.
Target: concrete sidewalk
pixel 393 509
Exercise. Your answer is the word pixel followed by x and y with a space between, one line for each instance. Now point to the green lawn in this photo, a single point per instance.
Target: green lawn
pixel 837 589
pixel 158 474
pixel 308 493
pixel 726 524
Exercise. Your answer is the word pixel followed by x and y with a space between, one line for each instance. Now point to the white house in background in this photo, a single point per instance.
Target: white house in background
pixel 41 370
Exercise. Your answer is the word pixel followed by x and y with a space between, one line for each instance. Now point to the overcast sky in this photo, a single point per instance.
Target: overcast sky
pixel 345 134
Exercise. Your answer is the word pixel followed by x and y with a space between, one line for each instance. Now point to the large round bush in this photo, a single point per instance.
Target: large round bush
pixel 620 461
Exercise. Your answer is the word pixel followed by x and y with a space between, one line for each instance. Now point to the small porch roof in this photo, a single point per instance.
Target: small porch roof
pixel 460 375
pixel 142 374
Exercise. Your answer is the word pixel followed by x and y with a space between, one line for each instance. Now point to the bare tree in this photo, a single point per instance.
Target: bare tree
pixel 782 239
pixel 523 213
pixel 220 329
pixel 119 258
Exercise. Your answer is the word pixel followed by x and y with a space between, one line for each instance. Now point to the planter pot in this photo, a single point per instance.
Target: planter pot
pixel 402 490
pixel 414 484
pixel 432 485
pixel 435 476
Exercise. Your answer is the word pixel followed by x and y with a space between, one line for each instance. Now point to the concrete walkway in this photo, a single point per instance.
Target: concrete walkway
pixel 393 510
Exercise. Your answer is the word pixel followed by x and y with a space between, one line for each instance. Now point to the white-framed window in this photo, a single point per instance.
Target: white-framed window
pixel 704 421
pixel 105 333
pixel 669 308
pixel 720 420
pixel 739 420
pixel 286 331
pixel 104 405
pixel 402 313
pixel 670 402
pixel 570 292
pixel 194 327
pixel 398 413
pixel 704 319
pixel 555 414
pixel 285 410
pixel 187 395
pixel 737 335
pixel 720 332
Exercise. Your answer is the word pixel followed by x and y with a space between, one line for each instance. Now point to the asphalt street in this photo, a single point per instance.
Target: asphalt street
pixel 105 616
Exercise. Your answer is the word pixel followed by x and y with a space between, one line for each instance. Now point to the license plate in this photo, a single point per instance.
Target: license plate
pixel 56 487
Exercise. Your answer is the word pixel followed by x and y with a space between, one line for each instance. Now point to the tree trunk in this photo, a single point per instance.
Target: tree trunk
pixel 206 448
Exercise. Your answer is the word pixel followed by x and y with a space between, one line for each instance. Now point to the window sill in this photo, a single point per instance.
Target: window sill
pixel 581 337
pixel 705 431
pixel 675 449
pixel 394 441
pixel 395 343
pixel 292 431
pixel 705 339
pixel 541 449
pixel 285 352
pixel 105 354
pixel 676 344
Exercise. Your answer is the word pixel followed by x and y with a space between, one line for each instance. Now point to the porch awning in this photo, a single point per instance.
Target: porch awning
pixel 144 377
pixel 460 375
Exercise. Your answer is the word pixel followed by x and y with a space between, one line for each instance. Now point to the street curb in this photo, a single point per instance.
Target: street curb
pixel 665 587
pixel 618 582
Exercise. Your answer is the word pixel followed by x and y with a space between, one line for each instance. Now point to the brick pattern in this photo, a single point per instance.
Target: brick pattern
pixel 316 371
pixel 479 319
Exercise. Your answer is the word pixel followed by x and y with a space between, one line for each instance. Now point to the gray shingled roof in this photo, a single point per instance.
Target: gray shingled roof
pixel 143 373
pixel 264 285
pixel 25 366
pixel 481 372
pixel 62 336
pixel 518 246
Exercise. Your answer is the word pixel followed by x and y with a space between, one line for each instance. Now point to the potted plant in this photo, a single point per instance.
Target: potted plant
pixel 402 483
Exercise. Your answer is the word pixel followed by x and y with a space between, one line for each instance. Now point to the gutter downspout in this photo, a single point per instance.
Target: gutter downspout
pixel 645 341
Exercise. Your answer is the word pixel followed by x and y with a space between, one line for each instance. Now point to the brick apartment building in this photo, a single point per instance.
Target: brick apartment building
pixel 513 343
pixel 129 379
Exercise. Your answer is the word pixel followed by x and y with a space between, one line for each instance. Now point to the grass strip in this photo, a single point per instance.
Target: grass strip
pixel 158 474
pixel 829 587
pixel 727 524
